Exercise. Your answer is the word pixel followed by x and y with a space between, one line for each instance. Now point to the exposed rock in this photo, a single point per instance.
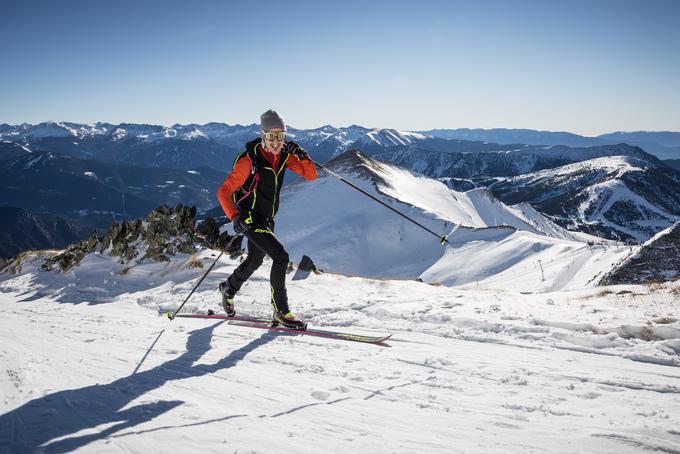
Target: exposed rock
pixel 306 264
pixel 165 233
pixel 658 260
pixel 223 243
pixel 169 232
pixel 209 231
pixel 72 256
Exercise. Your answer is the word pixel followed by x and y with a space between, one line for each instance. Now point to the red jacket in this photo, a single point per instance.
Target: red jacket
pixel 306 169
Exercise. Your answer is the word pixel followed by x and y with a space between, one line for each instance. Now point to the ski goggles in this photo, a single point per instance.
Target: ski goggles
pixel 272 136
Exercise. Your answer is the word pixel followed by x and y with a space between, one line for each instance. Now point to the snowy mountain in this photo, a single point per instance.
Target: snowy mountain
pixel 616 197
pixel 213 144
pixel 176 147
pixel 564 182
pixel 217 131
pixel 184 146
pixel 491 244
pixel 327 141
pixel 501 162
pixel 216 144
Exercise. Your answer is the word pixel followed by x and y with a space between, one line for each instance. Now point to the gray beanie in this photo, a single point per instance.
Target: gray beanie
pixel 270 120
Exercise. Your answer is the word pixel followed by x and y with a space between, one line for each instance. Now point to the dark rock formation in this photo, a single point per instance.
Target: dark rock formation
pixel 658 260
pixel 306 264
pixel 164 233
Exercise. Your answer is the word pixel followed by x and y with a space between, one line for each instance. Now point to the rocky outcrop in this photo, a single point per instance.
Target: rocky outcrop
pixel 73 255
pixel 658 260
pixel 165 232
pixel 306 264
pixel 210 232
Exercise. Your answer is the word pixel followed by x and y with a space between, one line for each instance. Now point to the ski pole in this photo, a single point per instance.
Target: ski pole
pixel 171 315
pixel 442 239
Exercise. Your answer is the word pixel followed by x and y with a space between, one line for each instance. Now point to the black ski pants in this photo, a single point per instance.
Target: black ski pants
pixel 261 241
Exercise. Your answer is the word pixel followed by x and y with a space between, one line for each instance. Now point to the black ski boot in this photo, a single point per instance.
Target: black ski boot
pixel 227 298
pixel 287 320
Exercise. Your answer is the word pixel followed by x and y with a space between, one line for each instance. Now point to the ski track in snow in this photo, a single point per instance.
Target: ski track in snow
pixel 89 364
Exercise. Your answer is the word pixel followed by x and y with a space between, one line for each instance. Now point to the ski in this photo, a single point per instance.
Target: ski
pixel 264 323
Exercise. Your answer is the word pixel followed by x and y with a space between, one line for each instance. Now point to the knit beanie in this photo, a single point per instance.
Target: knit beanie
pixel 271 120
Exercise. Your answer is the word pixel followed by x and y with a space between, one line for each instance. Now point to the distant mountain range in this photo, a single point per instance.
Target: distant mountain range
pixel 216 144
pixel 511 161
pixel 664 145
pixel 96 173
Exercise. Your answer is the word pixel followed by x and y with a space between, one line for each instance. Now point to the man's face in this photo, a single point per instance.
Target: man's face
pixel 272 143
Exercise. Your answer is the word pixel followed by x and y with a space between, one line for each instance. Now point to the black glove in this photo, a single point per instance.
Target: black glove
pixel 240 227
pixel 297 150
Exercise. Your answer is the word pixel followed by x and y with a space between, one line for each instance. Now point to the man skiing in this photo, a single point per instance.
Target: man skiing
pixel 250 198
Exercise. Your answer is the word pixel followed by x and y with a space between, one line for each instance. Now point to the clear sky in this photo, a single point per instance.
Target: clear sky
pixel 582 66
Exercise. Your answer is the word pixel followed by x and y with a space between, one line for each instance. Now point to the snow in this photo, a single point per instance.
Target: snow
pixel 388 137
pixel 119 134
pixel 584 371
pixel 195 134
pixel 490 245
pixel 40 159
pixel 617 191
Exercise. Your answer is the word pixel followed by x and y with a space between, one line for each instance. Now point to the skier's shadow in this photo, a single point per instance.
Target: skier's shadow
pixel 52 423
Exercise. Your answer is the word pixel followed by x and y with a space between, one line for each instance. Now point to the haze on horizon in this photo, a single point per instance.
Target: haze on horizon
pixel 582 67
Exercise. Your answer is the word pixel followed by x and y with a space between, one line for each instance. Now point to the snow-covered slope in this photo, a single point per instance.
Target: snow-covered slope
pixel 492 244
pixel 631 197
pixel 90 365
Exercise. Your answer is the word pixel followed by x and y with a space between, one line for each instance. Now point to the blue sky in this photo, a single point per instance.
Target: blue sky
pixel 583 66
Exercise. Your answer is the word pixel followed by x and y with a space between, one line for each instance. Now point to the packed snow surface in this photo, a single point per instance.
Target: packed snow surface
pixel 90 364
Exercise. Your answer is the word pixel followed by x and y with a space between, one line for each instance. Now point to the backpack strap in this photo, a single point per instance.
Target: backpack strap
pixel 254 175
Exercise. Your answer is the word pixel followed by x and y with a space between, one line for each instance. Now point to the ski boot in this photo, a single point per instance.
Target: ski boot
pixel 227 298
pixel 287 320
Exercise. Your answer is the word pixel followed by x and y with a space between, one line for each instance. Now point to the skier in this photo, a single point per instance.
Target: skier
pixel 250 198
